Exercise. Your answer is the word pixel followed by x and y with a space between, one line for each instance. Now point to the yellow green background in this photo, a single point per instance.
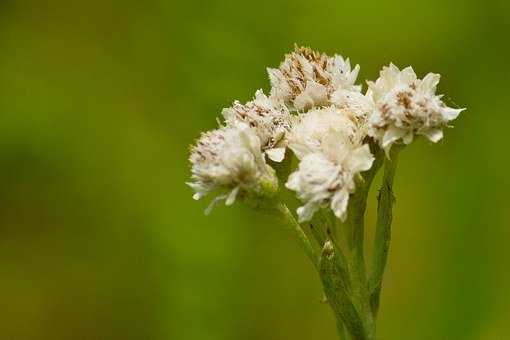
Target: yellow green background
pixel 100 238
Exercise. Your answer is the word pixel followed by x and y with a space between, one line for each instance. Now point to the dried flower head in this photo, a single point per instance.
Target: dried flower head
pixel 229 160
pixel 328 142
pixel 306 78
pixel 405 106
pixel 268 117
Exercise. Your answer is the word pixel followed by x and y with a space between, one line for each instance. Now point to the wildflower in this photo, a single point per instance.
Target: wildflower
pixel 229 160
pixel 406 106
pixel 328 142
pixel 268 117
pixel 306 78
pixel 320 181
pixel 330 138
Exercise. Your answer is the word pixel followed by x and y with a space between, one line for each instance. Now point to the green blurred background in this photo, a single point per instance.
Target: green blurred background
pixel 99 236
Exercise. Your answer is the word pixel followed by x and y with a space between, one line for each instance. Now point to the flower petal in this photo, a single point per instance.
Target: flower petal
pixel 314 94
pixel 451 114
pixel 392 135
pixel 429 83
pixel 306 212
pixel 360 159
pixel 276 154
pixel 407 75
pixel 434 135
pixel 408 138
pixel 339 204
pixel 232 196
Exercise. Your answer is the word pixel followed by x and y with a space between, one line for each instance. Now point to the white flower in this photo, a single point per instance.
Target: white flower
pixel 306 78
pixel 317 129
pixel 228 160
pixel 328 142
pixel 405 106
pixel 320 181
pixel 268 117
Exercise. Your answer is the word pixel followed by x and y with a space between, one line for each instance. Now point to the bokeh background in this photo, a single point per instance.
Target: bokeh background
pixel 99 236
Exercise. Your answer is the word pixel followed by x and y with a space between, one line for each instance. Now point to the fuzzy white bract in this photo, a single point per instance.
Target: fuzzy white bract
pixel 307 79
pixel 268 117
pixel 329 144
pixel 405 106
pixel 228 160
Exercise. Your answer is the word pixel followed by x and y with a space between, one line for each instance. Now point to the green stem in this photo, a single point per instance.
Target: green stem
pixel 356 210
pixel 353 297
pixel 340 301
pixel 340 329
pixel 322 232
pixel 355 228
pixel 300 234
pixel 386 199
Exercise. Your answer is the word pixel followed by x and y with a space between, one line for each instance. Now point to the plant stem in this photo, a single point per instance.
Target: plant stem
pixel 356 210
pixel 300 234
pixel 353 297
pixel 340 329
pixel 355 228
pixel 339 299
pixel 322 232
pixel 386 199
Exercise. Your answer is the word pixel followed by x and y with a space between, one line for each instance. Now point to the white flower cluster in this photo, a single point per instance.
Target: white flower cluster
pixel 316 110
pixel 405 106
pixel 228 159
pixel 329 144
